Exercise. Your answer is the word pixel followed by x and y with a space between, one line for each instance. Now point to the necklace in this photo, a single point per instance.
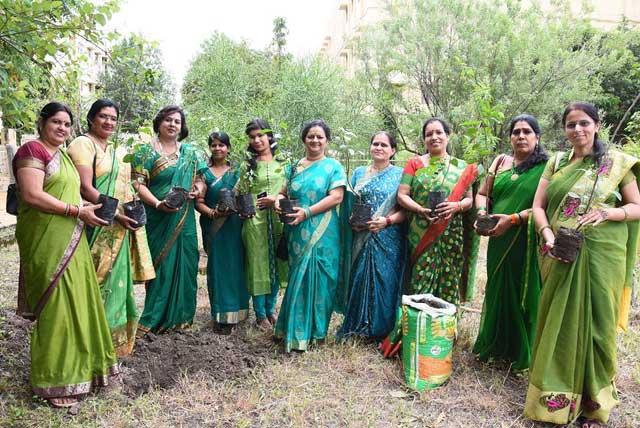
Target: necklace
pixel 163 153
pixel 514 174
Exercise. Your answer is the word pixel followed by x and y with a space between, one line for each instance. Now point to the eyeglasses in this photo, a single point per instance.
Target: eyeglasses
pixel 523 131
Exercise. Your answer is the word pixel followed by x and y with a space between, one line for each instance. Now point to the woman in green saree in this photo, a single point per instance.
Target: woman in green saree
pixel 574 356
pixel 163 171
pixel 313 236
pixel 442 245
pixel 120 251
pixel 507 325
pixel 221 239
pixel 71 349
pixel 262 176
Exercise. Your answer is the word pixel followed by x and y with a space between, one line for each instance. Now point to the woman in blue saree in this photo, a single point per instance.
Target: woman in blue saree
pixel 170 302
pixel 317 183
pixel 376 254
pixel 222 239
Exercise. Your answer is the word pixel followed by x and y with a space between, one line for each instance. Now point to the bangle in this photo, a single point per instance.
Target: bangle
pixel 459 206
pixel 307 212
pixel 66 210
pixel 520 220
pixel 546 226
pixel 388 219
pixel 77 214
pixel 626 214
pixel 158 204
pixel 513 219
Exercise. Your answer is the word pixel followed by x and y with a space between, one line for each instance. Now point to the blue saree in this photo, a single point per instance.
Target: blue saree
pixel 314 257
pixel 377 259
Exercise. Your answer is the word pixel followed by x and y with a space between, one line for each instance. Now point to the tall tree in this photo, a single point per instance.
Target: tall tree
pixel 135 78
pixel 35 37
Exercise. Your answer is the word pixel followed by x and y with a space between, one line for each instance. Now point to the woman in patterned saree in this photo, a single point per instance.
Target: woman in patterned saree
pixel 317 183
pixel 262 176
pixel 376 253
pixel 120 252
pixel 574 357
pixel 507 325
pixel 158 169
pixel 71 348
pixel 222 240
pixel 442 245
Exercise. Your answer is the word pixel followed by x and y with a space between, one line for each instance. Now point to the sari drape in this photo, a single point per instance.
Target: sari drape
pixel 574 356
pixel 314 258
pixel 112 246
pixel 507 325
pixel 443 255
pixel 71 348
pixel 377 259
pixel 170 301
pixel 221 237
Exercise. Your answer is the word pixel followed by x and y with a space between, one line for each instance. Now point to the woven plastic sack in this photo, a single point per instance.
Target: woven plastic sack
pixel 428 332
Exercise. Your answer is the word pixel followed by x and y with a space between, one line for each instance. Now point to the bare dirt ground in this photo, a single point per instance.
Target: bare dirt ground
pixel 200 378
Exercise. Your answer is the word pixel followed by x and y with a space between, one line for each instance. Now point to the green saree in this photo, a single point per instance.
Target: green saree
pixel 71 349
pixel 574 356
pixel 443 255
pixel 112 246
pixel 507 325
pixel 170 301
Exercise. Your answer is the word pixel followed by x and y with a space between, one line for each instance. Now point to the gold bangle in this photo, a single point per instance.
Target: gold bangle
pixel 546 226
pixel 626 214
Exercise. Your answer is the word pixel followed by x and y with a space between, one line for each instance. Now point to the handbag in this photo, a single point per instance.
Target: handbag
pixel 282 250
pixel 12 199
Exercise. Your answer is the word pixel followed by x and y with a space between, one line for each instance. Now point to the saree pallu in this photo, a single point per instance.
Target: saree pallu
pixel 71 349
pixel 377 259
pixel 261 233
pixel 507 324
pixel 574 356
pixel 116 252
pixel 170 301
pixel 314 258
pixel 222 240
pixel 443 255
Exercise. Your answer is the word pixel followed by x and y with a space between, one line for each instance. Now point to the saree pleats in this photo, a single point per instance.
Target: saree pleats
pixel 574 357
pixel 314 259
pixel 507 325
pixel 378 260
pixel 222 239
pixel 170 301
pixel 71 348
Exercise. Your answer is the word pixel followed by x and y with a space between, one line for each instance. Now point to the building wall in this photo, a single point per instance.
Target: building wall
pixel 351 15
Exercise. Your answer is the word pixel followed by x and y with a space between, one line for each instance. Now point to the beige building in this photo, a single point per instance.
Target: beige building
pixel 351 16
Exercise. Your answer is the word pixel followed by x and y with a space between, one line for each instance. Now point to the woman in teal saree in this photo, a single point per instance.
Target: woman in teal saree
pixel 222 240
pixel 71 348
pixel 574 356
pixel 507 325
pixel 120 251
pixel 159 168
pixel 317 182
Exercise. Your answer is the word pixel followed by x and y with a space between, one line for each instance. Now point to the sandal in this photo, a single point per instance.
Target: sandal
pixel 62 402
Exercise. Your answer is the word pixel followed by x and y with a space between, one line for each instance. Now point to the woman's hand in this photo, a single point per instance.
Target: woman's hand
pixel 504 224
pixel 547 247
pixel 266 202
pixel 87 214
pixel 298 216
pixel 165 209
pixel 594 217
pixel 445 210
pixel 377 224
pixel 425 213
pixel 127 222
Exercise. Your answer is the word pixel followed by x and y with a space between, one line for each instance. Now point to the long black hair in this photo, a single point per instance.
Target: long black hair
pixel 258 124
pixel 223 138
pixel 96 107
pixel 599 148
pixel 538 155
pixel 50 110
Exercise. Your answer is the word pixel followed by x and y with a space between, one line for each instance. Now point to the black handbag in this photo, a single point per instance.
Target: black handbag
pixel 282 251
pixel 12 199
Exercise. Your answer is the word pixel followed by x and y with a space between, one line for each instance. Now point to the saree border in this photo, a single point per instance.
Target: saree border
pixel 172 239
pixel 78 388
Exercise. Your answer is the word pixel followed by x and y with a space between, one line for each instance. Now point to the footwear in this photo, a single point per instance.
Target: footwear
pixel 272 319
pixel 264 324
pixel 63 402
